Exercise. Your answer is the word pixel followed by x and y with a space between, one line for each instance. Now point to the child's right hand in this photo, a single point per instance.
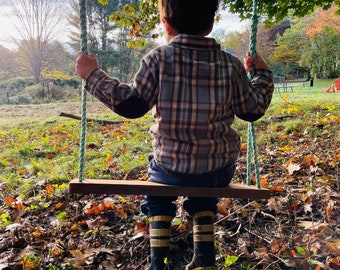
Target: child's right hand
pixel 254 63
pixel 85 65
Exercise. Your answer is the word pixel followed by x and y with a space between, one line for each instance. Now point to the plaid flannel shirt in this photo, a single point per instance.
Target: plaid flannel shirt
pixel 195 90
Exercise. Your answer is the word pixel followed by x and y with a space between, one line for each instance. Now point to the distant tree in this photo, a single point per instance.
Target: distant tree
pixel 323 55
pixel 237 43
pixel 289 48
pixel 59 67
pixel 106 39
pixel 74 21
pixel 100 31
pixel 38 24
pixel 59 58
pixel 219 35
pixel 323 18
pixel 8 64
pixel 278 29
pixel 267 36
pixel 312 43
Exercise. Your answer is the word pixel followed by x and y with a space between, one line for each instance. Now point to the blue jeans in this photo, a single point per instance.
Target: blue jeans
pixel 163 205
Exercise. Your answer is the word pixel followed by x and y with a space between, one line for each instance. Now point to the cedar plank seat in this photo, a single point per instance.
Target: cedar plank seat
pixel 138 187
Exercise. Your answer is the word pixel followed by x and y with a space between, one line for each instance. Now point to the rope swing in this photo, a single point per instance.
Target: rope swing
pixel 103 186
pixel 251 143
pixel 83 38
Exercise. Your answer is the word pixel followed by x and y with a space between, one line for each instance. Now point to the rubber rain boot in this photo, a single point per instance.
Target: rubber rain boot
pixel 159 241
pixel 204 246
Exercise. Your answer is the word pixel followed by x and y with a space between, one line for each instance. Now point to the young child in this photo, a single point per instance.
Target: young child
pixel 195 90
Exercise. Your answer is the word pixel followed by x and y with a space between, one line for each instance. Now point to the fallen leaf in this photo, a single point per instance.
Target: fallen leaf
pixel 293 167
pixel 223 206
pixel 337 156
pixel 76 253
pixel 49 189
pixel 59 205
pixel 285 148
pixel 309 160
pixel 311 224
pixel 74 227
pixel 334 264
pixel 277 189
pixel 277 246
pixel 263 181
pixel 333 248
pixel 244 147
pixel 293 253
pixel 307 207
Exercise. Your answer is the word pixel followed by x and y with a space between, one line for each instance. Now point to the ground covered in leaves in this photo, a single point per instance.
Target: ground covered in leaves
pixel 297 228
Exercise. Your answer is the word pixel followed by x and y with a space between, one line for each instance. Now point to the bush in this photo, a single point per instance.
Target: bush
pixel 20 99
pixel 18 83
pixel 34 91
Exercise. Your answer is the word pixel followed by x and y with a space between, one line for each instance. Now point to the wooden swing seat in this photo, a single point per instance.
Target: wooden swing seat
pixel 138 187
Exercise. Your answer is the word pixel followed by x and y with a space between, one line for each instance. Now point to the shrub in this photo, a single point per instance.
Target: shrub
pixel 20 99
pixel 18 83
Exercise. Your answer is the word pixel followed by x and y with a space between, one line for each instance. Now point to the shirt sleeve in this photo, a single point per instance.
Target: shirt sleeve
pixel 252 98
pixel 130 100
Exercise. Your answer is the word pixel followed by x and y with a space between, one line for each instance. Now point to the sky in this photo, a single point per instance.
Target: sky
pixel 229 22
pixel 6 27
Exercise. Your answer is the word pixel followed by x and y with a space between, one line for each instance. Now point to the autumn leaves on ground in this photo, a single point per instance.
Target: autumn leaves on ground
pixel 43 227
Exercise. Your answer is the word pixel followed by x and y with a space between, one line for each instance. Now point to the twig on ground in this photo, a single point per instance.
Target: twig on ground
pixel 102 122
pixel 226 217
pixel 258 236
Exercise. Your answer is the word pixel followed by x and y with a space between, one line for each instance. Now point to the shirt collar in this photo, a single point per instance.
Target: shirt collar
pixel 194 42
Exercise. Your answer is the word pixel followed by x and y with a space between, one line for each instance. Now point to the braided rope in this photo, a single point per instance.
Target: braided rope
pixel 83 37
pixel 251 145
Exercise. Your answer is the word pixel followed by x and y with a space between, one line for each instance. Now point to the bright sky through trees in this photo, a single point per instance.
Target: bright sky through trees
pixel 8 23
pixel 6 27
pixel 228 22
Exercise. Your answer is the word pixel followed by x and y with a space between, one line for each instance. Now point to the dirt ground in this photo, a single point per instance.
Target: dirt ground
pixel 44 111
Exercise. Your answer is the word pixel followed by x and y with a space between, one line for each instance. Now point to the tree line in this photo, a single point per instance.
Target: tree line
pixel 41 67
pixel 297 47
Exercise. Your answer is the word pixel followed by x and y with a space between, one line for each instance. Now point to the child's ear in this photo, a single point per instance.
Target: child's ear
pixel 170 30
pixel 208 31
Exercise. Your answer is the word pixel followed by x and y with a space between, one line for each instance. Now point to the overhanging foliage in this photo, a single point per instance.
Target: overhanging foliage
pixel 143 19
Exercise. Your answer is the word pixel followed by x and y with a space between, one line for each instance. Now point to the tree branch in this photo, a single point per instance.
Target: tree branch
pixel 101 122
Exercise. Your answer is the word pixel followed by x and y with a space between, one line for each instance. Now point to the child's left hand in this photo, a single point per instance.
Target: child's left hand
pixel 85 65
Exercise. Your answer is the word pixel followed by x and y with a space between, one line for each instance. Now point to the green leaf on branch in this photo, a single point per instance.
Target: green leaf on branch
pixel 140 20
pixel 143 19
pixel 103 2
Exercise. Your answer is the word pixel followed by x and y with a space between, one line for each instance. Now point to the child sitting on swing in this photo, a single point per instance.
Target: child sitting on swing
pixel 195 90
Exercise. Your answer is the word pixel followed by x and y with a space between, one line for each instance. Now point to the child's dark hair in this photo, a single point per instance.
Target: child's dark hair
pixel 190 16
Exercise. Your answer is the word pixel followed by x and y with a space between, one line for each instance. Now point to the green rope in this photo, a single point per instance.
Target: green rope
pixel 83 37
pixel 251 145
